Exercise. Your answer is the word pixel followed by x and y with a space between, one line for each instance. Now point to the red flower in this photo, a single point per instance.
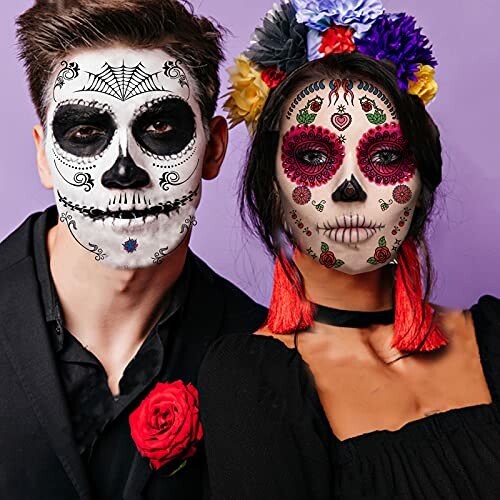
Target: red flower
pixel 367 106
pixel 328 259
pixel 166 425
pixel 336 40
pixel 315 106
pixel 272 77
pixel 382 254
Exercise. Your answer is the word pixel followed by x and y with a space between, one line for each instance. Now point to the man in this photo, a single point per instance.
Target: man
pixel 100 296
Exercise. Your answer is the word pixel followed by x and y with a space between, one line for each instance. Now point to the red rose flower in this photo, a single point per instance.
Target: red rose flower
pixel 382 254
pixel 315 106
pixel 367 106
pixel 272 77
pixel 336 40
pixel 328 259
pixel 166 425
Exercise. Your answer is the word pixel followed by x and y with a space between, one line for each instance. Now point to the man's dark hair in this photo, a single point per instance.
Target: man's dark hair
pixel 52 28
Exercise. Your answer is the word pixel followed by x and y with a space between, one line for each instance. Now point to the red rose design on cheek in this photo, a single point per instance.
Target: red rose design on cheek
pixel 328 258
pixel 382 253
pixel 166 425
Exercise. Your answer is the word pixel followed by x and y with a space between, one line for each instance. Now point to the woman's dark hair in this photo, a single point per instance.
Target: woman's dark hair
pixel 259 202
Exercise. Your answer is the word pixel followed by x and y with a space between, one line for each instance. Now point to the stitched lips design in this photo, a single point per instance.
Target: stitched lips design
pixel 341 120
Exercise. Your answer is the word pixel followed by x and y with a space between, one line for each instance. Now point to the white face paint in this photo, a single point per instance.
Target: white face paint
pixel 125 144
pixel 348 183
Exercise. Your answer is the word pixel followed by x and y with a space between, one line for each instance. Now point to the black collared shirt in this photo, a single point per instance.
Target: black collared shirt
pixel 99 419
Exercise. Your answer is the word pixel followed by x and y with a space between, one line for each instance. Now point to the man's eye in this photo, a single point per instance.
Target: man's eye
pixel 386 157
pixel 86 134
pixel 159 128
pixel 312 157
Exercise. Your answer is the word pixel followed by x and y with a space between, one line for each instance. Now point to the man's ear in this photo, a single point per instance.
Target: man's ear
pixel 216 148
pixel 41 158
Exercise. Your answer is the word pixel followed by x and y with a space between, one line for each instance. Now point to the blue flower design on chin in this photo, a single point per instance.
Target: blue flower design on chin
pixel 130 246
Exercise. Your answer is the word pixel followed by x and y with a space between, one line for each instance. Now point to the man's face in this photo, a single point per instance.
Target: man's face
pixel 125 144
pixel 347 181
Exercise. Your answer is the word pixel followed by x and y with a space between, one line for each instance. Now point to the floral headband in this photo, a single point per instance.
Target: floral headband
pixel 297 31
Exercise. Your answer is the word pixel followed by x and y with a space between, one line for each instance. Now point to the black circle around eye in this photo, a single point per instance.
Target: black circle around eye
pixel 82 130
pixel 173 114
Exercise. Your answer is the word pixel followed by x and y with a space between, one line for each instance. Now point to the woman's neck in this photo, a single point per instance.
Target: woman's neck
pixel 371 291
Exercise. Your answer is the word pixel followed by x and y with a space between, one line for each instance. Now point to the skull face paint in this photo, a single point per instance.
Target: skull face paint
pixel 125 144
pixel 347 180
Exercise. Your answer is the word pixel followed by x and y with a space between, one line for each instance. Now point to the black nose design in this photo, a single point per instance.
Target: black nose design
pixel 125 174
pixel 349 190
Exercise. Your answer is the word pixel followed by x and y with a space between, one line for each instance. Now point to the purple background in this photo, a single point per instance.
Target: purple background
pixel 465 238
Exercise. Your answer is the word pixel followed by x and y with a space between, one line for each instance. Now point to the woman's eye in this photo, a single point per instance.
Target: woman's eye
pixel 159 128
pixel 86 134
pixel 312 157
pixel 387 157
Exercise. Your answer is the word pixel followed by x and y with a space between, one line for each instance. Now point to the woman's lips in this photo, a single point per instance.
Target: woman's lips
pixel 351 228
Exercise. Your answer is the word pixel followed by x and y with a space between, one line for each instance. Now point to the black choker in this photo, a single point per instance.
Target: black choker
pixel 352 319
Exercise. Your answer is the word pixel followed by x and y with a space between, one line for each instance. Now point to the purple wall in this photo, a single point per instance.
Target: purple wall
pixel 465 239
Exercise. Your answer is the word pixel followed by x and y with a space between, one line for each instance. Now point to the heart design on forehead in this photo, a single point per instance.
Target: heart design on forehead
pixel 341 120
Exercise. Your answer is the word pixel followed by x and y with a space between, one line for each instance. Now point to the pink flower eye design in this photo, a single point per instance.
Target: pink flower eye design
pixel 384 156
pixel 311 155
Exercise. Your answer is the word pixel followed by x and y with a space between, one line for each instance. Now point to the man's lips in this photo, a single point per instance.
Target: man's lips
pixel 164 208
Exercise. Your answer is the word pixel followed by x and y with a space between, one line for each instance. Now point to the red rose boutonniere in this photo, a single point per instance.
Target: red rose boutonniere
pixel 166 426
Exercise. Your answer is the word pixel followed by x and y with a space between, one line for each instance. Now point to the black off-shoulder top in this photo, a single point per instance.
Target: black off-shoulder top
pixel 267 437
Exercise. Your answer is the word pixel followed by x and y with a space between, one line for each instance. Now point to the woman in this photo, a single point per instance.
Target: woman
pixel 356 387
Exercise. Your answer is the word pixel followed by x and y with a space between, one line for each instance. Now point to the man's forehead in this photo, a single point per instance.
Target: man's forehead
pixel 120 76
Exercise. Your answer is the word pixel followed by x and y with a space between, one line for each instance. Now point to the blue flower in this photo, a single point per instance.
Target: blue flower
pixel 396 38
pixel 321 14
pixel 130 246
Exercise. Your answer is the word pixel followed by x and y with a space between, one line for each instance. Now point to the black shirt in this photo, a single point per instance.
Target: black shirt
pixel 268 437
pixel 99 420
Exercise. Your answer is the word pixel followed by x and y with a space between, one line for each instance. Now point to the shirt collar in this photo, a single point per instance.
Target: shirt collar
pixel 50 301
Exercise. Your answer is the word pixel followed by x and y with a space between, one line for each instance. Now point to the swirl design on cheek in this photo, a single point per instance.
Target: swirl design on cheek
pixel 384 156
pixel 311 155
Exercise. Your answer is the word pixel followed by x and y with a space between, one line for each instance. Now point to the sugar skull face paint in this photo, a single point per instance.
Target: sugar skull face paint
pixel 348 182
pixel 125 144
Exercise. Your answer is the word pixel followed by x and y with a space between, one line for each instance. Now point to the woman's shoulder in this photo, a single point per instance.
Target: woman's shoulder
pixel 479 322
pixel 250 357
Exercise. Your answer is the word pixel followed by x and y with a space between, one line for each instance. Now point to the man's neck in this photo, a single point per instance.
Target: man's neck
pixel 110 311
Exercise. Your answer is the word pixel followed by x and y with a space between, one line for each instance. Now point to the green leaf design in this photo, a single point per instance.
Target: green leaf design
pixel 305 118
pixel 338 263
pixel 382 242
pixel 181 466
pixel 377 118
pixel 325 247
pixel 372 261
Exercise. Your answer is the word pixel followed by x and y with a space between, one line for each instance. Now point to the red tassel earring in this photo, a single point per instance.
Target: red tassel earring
pixel 289 310
pixel 414 329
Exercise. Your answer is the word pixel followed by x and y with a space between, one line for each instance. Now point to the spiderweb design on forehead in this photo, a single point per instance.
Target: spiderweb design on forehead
pixel 123 82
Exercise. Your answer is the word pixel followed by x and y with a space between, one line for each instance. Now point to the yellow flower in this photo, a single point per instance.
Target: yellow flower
pixel 248 93
pixel 426 87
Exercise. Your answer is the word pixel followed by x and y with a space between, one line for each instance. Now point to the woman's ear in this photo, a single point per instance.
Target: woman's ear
pixel 216 148
pixel 41 158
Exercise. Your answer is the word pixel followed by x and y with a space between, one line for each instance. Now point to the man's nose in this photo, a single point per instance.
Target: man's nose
pixel 349 191
pixel 125 174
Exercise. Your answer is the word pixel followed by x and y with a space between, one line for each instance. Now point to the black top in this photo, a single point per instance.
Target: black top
pixel 268 438
pixel 62 435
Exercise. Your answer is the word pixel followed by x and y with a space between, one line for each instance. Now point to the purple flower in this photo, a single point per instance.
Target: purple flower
pixel 397 39
pixel 321 14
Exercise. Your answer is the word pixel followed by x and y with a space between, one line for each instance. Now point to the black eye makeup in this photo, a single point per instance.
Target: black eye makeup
pixel 83 130
pixel 164 127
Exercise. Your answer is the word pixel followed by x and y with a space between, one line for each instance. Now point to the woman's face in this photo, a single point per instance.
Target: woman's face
pixel 347 180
